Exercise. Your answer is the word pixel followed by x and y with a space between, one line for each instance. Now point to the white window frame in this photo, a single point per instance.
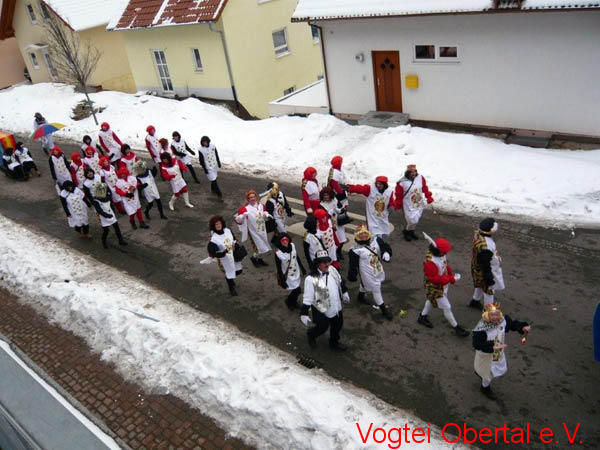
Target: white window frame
pixel 34 60
pixel 437 59
pixel 44 11
pixel 156 66
pixel 286 46
pixel 31 13
pixel 317 39
pixel 51 66
pixel 197 68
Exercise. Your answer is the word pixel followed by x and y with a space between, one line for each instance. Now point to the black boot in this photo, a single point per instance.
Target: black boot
pixel 160 209
pixel 312 341
pixel 338 346
pixel 413 236
pixel 475 304
pixel 193 172
pixel 119 235
pixel 133 225
pixel 143 225
pixel 386 312
pixel 460 331
pixel 147 211
pixel 215 188
pixel 362 298
pixel 424 320
pixel 487 391
pixel 254 261
pixel 262 262
pixel 231 284
pixel 407 236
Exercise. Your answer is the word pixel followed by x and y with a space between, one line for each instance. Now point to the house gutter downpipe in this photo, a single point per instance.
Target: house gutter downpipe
pixel 235 99
pixel 324 66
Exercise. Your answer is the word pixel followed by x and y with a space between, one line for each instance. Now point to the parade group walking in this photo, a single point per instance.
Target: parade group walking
pixel 108 176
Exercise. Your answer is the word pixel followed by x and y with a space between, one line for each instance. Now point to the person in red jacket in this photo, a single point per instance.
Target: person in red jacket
pixel 380 198
pixel 310 190
pixel 110 142
pixel 171 170
pixel 438 277
pixel 153 144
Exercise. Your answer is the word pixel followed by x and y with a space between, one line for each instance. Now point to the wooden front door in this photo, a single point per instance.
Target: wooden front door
pixel 388 85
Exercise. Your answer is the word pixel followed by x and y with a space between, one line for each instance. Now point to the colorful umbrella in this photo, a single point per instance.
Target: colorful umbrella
pixel 47 129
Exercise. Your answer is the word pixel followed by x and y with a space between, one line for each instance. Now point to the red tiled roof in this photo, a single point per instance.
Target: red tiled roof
pixel 155 13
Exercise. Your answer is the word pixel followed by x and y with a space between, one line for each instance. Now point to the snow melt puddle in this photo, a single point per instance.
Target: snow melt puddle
pixel 253 390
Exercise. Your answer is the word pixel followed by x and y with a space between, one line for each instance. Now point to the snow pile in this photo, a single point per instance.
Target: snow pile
pixel 253 390
pixel 466 173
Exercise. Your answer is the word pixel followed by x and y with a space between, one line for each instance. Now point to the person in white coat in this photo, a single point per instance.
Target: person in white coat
pixel 210 162
pixel 277 205
pixel 75 205
pixel 153 144
pixel 324 292
pixel 380 198
pixel 22 154
pixel 101 199
pixel 127 188
pixel 46 141
pixel 110 143
pixel 59 167
pixel 148 187
pixel 87 141
pixel 366 259
pixel 289 269
pixel 412 194
pixel 91 159
pixel 12 165
pixel 251 219
pixel 335 209
pixel 182 152
pixel 486 264
pixel 109 175
pixel 171 171
pixel 222 246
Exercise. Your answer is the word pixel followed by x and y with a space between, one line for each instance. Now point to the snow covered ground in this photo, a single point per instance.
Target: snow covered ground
pixel 255 391
pixel 466 173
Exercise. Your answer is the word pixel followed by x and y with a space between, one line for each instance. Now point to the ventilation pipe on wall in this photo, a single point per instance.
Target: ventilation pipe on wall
pixel 324 65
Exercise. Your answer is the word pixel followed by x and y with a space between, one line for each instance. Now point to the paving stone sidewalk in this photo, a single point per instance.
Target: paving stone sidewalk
pixel 141 420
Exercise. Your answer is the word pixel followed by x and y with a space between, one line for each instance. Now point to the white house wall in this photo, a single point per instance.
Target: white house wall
pixel 523 70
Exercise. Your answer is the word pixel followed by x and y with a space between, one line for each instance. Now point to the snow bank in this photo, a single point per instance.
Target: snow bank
pixel 466 173
pixel 253 390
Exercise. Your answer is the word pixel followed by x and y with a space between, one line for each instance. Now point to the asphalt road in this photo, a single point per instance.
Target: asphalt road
pixel 552 281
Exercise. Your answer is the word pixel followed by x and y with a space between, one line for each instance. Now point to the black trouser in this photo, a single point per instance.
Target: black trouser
pixel 322 322
pixel 292 298
pixel 28 166
pixel 214 187
pixel 117 232
pixel 17 172
pixel 85 229
pixel 193 172
pixel 158 205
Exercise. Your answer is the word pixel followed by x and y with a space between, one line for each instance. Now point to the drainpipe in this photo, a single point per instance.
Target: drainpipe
pixel 235 99
pixel 324 66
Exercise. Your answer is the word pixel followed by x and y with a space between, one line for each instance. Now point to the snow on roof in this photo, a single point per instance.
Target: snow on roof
pixel 84 14
pixel 346 9
pixel 156 13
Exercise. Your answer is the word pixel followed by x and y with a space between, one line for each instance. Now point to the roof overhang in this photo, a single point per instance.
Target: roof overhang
pixel 35 47
pixel 6 19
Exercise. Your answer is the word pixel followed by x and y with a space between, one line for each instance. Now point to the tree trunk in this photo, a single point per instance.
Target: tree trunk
pixel 90 103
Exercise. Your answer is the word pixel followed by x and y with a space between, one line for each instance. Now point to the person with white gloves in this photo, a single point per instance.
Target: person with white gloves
pixel 324 292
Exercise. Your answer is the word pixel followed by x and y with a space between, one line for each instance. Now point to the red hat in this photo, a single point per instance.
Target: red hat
pixel 381 179
pixel 150 128
pixel 89 150
pixel 56 151
pixel 443 245
pixel 75 156
pixel 320 214
pixel 123 173
pixel 310 173
pixel 105 124
pixel 104 161
pixel 336 162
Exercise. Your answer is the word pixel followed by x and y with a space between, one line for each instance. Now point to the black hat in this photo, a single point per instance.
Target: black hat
pixel 321 257
pixel 68 184
pixel 310 224
pixel 488 225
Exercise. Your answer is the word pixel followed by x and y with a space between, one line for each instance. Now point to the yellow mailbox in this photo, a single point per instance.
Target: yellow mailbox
pixel 412 81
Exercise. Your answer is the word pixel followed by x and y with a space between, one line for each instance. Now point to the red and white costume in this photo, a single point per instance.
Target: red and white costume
pixel 110 142
pixel 412 196
pixel 377 205
pixel 125 186
pixel 76 168
pixel 251 220
pixel 128 160
pixel 77 207
pixel 59 167
pixel 153 145
pixel 91 159
pixel 326 234
pixel 336 178
pixel 109 174
pixel 310 190
pixel 333 210
pixel 173 175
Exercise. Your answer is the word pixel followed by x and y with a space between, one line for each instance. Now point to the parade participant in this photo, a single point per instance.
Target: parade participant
pixel 336 179
pixel 326 235
pixel 110 143
pixel 128 158
pixel 89 142
pixel 170 170
pixel 182 152
pixel 366 259
pixel 148 187
pixel 310 190
pixel 109 175
pixel 289 269
pixel 489 345
pixel 59 168
pixel 277 205
pixel 47 143
pixel 486 267
pixel 91 159
pixel 311 243
pixel 101 199
pixel 77 169
pixel 24 157
pixel 380 198
pixel 324 291
pixel 210 162
pixel 75 205
pixel 12 165
pixel 222 246
pixel 411 195
pixel 251 219
pixel 438 277
pixel 126 187
pixel 90 178
pixel 334 208
pixel 153 144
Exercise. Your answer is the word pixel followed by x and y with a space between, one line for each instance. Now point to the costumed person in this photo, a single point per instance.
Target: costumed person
pixel 412 194
pixel 77 169
pixel 109 174
pixel 366 259
pixel 251 219
pixel 75 205
pixel 128 158
pixel 91 159
pixel 277 205
pixel 324 291
pixel 182 152
pixel 221 246
pixel 22 154
pixel 90 178
pixel 311 242
pixel 87 141
pixel 170 170
pixel 438 277
pixel 210 162
pixel 127 188
pixel 12 164
pixel 153 144
pixel 336 179
pixel 333 206
pixel 326 235
pixel 110 143
pixel 59 167
pixel 489 344
pixel 46 141
pixel 101 201
pixel 380 198
pixel 289 269
pixel 486 264
pixel 310 190
pixel 148 187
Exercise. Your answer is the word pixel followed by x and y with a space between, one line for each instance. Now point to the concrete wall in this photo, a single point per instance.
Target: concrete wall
pixel 11 62
pixel 519 70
